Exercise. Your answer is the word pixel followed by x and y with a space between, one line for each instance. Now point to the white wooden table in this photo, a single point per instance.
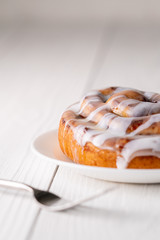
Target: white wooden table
pixel 43 69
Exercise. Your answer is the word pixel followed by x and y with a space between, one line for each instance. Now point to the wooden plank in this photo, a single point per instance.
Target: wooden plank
pixel 133 59
pixel 131 210
pixel 46 71
pixel 75 187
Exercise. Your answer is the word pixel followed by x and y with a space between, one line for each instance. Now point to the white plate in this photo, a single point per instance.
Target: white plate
pixel 46 146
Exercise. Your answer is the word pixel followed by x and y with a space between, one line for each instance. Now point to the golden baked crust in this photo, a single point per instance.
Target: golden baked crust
pixel 92 155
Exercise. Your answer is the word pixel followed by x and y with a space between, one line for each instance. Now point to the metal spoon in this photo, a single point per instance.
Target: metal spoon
pixel 47 200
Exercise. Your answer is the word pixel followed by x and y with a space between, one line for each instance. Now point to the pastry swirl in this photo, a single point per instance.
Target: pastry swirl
pixel 113 127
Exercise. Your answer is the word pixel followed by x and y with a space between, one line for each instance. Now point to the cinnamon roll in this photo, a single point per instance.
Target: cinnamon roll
pixel 115 127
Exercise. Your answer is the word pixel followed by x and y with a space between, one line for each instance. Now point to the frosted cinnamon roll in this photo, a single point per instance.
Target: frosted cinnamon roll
pixel 114 127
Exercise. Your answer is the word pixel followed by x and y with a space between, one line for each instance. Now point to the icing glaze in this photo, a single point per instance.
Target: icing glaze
pixel 99 118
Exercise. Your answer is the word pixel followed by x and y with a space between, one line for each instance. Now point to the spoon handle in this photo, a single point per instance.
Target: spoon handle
pixel 15 185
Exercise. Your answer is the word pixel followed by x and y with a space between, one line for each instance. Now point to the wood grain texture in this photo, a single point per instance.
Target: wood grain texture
pixel 131 211
pixel 43 73
pixel 127 212
pixel 133 59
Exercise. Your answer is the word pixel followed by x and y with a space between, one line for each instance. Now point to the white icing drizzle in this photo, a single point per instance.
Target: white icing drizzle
pixel 88 101
pixel 120 89
pixel 75 107
pixel 143 146
pixel 147 124
pixel 112 126
pixel 145 108
pixel 104 122
pixel 151 96
pixel 89 94
pixel 114 98
pixel 126 103
pixel 123 125
pixel 92 114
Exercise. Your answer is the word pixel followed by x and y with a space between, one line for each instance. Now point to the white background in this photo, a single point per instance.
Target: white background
pixel 49 57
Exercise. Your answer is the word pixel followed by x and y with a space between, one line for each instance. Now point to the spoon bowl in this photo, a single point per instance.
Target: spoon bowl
pixel 47 200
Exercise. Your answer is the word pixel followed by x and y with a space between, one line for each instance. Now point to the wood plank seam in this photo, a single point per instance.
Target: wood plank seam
pixel 95 68
pixel 30 232
pixel 103 48
pixel 105 40
pixel 54 174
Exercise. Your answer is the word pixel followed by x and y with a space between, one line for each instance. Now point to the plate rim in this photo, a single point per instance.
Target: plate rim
pixel 81 166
